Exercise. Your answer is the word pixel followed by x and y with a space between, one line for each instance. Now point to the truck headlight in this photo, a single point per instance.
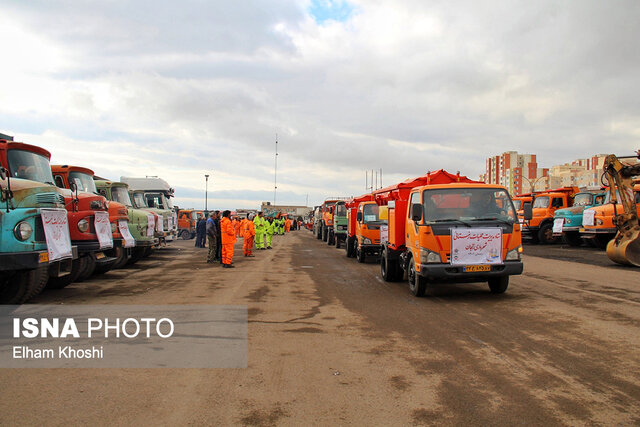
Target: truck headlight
pixel 600 222
pixel 22 231
pixel 514 254
pixel 429 257
pixel 366 241
pixel 83 225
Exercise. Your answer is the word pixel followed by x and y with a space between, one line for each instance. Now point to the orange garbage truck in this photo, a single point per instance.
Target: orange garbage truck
pixel 447 228
pixel 352 206
pixel 537 216
pixel 187 222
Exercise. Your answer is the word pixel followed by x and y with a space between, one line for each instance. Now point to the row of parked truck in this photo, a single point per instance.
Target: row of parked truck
pixel 442 227
pixel 61 223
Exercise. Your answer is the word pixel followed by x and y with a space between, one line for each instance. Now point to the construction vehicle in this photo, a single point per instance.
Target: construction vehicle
pixel 449 228
pixel 187 222
pixel 81 178
pixel 326 217
pixel 138 224
pixel 154 194
pixel 568 221
pixel 338 233
pixel 539 227
pixel 26 193
pixel 625 247
pixel 598 222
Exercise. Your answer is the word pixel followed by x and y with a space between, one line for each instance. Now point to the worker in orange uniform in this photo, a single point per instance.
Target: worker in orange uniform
pixel 287 225
pixel 237 226
pixel 243 225
pixel 228 239
pixel 249 233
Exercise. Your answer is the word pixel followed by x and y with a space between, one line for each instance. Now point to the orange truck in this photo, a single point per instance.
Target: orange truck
pixel 366 221
pixel 598 227
pixel 187 222
pixel 537 216
pixel 353 205
pixel 447 228
pixel 82 178
pixel 326 222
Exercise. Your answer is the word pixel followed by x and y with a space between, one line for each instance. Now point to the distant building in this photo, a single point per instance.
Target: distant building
pixel 268 209
pixel 513 171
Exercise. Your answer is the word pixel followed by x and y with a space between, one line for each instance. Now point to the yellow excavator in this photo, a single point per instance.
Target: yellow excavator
pixel 625 247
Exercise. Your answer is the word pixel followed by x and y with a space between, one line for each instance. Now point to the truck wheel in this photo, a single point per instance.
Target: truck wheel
pixel 545 234
pixel 77 266
pixel 185 234
pixel 388 268
pixel 39 281
pixel 89 269
pixel 348 247
pixel 362 257
pixel 498 285
pixel 337 238
pixel 572 238
pixel 330 238
pixel 318 232
pixel 325 233
pixel 18 286
pixel 417 283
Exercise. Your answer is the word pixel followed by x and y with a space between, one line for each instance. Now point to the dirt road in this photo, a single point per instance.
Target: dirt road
pixel 331 343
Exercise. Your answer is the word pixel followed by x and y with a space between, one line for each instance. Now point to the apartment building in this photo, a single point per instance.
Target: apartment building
pixel 513 170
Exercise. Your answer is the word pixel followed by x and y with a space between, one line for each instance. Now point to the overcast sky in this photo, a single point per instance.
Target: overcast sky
pixel 181 89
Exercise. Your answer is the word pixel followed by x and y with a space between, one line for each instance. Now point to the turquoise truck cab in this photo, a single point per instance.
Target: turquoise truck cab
pixel 26 187
pixel 567 221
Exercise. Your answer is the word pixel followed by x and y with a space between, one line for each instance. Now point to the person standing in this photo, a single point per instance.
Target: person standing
pixel 228 239
pixel 287 225
pixel 201 231
pixel 219 237
pixel 249 233
pixel 269 230
pixel 259 225
pixel 212 237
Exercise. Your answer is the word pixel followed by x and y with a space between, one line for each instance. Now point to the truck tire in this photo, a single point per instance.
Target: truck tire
pixel 498 285
pixel 330 237
pixel 18 286
pixel 348 247
pixel 545 234
pixel 337 239
pixel 40 279
pixel 325 233
pixel 89 269
pixel 388 268
pixel 572 238
pixel 185 234
pixel 318 232
pixel 360 255
pixel 77 266
pixel 417 283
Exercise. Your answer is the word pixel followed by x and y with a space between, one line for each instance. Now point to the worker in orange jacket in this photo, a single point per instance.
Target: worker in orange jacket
pixel 241 228
pixel 236 225
pixel 249 233
pixel 228 239
pixel 287 225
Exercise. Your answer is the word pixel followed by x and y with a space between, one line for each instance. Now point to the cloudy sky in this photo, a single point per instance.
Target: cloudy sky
pixel 181 89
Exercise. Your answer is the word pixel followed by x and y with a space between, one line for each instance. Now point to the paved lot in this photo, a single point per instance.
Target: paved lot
pixel 331 343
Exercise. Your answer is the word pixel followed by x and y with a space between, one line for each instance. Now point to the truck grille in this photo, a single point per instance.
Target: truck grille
pixel 49 198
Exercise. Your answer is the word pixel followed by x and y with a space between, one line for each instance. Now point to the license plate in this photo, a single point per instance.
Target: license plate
pixel 44 257
pixel 475 268
pixel 99 255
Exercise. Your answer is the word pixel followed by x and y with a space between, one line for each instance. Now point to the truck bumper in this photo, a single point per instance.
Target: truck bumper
pixel 85 246
pixel 592 232
pixel 568 230
pixel 28 260
pixel 451 273
pixel 371 249
pixel 529 232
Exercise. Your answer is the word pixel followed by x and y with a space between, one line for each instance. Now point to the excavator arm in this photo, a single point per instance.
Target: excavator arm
pixel 625 247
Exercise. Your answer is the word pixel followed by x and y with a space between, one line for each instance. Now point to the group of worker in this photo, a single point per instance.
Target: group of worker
pixel 221 232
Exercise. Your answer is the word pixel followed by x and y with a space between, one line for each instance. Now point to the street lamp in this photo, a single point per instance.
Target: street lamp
pixel 532 186
pixel 206 190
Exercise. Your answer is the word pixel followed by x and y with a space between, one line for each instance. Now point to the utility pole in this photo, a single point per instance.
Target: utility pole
pixel 275 174
pixel 206 191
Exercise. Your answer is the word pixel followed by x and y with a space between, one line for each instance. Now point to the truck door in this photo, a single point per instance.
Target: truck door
pixel 413 242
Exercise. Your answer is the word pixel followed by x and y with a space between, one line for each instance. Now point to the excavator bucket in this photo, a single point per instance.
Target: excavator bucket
pixel 625 248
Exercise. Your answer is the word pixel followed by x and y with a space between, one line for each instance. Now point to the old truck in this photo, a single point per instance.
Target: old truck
pixel 366 219
pixel 539 229
pixel 31 250
pixel 447 228
pixel 598 222
pixel 139 219
pixel 568 221
pixel 338 233
pixel 154 194
pixel 81 178
pixel 187 222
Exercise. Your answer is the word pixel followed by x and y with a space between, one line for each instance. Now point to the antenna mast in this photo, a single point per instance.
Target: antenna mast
pixel 275 174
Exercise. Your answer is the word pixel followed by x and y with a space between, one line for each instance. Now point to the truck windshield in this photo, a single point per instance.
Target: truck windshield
pixel 467 204
pixel 121 195
pixel 155 200
pixel 583 199
pixel 517 204
pixel 194 215
pixel 371 213
pixel 541 202
pixel 28 165
pixel 138 199
pixel 83 181
pixel 341 210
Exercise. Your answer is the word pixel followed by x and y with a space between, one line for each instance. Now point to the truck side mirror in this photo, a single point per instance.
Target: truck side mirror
pixel 359 217
pixel 73 187
pixel 528 211
pixel 3 173
pixel 416 212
